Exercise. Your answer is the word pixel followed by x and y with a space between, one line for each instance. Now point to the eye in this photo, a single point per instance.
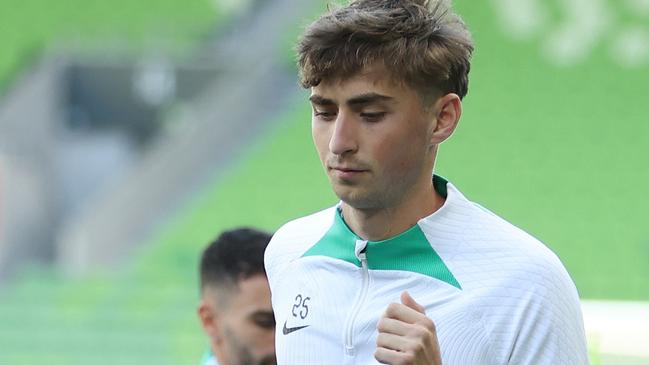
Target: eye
pixel 373 117
pixel 264 320
pixel 324 115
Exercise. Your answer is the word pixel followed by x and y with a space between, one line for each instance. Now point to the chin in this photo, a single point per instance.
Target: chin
pixel 356 199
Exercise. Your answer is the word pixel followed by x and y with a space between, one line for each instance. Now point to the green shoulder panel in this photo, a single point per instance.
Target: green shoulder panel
pixel 339 242
pixel 409 251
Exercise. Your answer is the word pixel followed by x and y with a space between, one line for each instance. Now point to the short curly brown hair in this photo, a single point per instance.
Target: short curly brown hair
pixel 420 42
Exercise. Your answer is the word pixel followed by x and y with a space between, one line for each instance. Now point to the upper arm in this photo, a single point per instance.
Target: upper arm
pixel 551 328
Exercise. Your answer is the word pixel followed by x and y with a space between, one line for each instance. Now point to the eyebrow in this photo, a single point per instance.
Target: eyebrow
pixel 263 311
pixel 358 100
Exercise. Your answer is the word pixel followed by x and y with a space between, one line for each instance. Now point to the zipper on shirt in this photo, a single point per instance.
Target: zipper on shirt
pixel 361 247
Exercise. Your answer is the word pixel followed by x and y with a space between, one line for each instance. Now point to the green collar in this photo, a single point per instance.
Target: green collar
pixel 408 251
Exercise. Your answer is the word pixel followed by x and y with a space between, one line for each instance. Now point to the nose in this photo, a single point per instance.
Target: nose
pixel 343 138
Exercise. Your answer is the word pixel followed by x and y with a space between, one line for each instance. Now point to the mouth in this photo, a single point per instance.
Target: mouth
pixel 347 169
pixel 345 172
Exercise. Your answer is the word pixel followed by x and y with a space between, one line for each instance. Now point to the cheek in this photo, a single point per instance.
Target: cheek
pixel 264 335
pixel 258 340
pixel 400 155
pixel 320 135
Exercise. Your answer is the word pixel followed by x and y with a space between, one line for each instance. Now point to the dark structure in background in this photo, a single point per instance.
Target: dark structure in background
pixel 96 150
pixel 72 130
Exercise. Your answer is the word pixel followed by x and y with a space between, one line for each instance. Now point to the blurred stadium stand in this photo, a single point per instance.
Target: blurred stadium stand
pixel 121 141
pixel 117 166
pixel 98 150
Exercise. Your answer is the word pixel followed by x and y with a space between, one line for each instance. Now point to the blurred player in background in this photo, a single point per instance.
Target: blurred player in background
pixel 235 308
pixel 405 269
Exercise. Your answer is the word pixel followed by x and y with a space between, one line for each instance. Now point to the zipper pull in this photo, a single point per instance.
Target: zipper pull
pixel 359 250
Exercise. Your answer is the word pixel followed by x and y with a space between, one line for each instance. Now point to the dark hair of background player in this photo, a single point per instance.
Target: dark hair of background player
pixel 235 255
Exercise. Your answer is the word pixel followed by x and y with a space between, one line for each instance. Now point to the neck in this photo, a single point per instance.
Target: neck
pixel 381 223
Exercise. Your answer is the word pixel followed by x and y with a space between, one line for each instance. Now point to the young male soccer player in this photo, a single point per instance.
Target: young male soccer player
pixel 235 308
pixel 405 269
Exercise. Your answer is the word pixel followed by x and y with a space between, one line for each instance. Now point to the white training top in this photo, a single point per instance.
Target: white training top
pixel 496 294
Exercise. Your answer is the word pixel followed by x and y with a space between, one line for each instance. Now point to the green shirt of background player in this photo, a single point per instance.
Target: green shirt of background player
pixel 387 79
pixel 235 307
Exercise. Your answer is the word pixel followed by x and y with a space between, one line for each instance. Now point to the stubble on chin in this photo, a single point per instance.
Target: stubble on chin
pixel 359 198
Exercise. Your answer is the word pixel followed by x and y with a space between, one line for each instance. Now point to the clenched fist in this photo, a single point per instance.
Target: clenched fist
pixel 406 335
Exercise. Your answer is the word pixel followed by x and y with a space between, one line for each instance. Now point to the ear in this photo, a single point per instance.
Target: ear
pixel 448 109
pixel 209 319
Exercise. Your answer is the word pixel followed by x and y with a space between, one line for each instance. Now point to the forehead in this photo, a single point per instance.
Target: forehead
pixel 251 294
pixel 374 79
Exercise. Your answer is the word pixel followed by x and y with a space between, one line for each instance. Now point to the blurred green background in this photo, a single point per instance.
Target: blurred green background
pixel 29 27
pixel 557 144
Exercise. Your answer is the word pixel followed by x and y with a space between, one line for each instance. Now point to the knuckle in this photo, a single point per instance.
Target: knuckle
pixel 381 356
pixel 416 347
pixel 382 325
pixel 427 325
pixel 380 339
pixel 393 309
pixel 420 331
pixel 408 358
pixel 430 325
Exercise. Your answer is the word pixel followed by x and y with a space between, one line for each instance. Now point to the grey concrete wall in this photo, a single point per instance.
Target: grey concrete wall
pixel 52 208
pixel 217 126
pixel 29 116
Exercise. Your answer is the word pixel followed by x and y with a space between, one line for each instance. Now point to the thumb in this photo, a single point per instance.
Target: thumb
pixel 409 302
